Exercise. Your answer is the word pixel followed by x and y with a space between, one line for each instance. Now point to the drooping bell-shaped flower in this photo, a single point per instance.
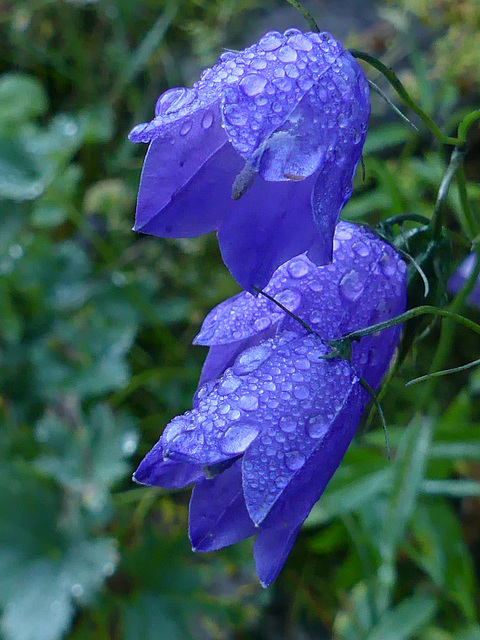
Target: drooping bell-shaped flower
pixel 263 148
pixel 461 275
pixel 272 417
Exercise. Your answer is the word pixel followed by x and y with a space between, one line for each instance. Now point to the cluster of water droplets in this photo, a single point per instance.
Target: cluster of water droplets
pixel 281 377
pixel 333 299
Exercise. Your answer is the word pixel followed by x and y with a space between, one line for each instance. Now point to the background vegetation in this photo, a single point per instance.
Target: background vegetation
pixel 95 355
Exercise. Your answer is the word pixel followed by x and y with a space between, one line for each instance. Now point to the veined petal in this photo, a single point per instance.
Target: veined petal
pixel 154 470
pixel 313 393
pixel 218 516
pixel 181 173
pixel 263 230
pixel 280 528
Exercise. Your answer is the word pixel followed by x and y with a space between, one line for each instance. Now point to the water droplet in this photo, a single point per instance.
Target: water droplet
pixel 316 355
pixel 224 408
pixel 298 268
pixel 292 71
pixel 173 100
pixel 305 83
pixel 253 84
pixel 228 385
pixel 261 324
pixel 207 120
pixel 235 115
pixel 287 54
pixel 237 438
pixel 294 460
pixel 317 427
pixel 251 359
pixel 302 363
pixel 300 42
pixel 315 285
pixel 387 265
pixel 351 286
pixel 174 429
pixel 186 127
pixel 301 392
pixel 283 84
pixel 290 298
pixel 361 249
pixel 342 120
pixel 234 414
pixel 271 41
pixel 287 424
pixel 258 64
pixel 248 402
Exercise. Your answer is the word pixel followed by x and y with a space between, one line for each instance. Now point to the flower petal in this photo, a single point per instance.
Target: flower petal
pixel 180 175
pixel 218 516
pixel 153 470
pixel 313 395
pixel 460 276
pixel 280 528
pixel 278 72
pixel 263 230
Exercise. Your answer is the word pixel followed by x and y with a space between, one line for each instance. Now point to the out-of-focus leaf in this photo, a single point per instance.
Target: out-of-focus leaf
pixel 22 97
pixel 146 615
pixel 406 620
pixel 439 549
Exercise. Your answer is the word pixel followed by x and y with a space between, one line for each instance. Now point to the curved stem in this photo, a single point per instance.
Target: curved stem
pixel 455 164
pixel 423 310
pixel 403 93
pixel 308 17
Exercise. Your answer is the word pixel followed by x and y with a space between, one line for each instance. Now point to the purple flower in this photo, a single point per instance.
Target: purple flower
pixel 272 419
pixel 262 148
pixel 461 275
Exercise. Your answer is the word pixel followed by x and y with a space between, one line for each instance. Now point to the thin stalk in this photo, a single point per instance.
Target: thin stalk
pixel 470 224
pixel 403 93
pixel 308 17
pixel 455 163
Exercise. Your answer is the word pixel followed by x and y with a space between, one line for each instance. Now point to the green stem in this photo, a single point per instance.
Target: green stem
pixel 455 164
pixel 402 92
pixel 308 17
pixel 469 223
pixel 466 123
pixel 423 310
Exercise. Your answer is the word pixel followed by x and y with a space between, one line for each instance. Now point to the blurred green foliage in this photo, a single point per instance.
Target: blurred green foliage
pixel 95 356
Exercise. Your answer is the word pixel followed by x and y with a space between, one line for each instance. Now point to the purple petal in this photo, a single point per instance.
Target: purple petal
pixel 180 175
pixel 153 470
pixel 218 515
pixel 280 528
pixel 263 230
pixel 277 72
pixel 312 395
pixel 461 275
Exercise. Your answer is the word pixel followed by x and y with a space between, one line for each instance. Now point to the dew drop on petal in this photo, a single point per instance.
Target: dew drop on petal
pixel 287 424
pixel 300 42
pixel 287 54
pixel 361 249
pixel 259 64
pixel 305 83
pixel 270 41
pixel 186 127
pixel 251 359
pixel 298 268
pixel 301 392
pixel 289 298
pixel 237 438
pixel 248 402
pixel 294 460
pixel 207 120
pixel 317 427
pixel 235 115
pixel 351 286
pixel 228 385
pixel 261 324
pixel 253 84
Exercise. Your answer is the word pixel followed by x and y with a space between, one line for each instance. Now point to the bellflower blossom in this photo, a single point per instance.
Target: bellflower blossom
pixel 272 419
pixel 461 275
pixel 280 123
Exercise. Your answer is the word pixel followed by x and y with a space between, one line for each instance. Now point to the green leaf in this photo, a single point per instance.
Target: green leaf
pixel 21 98
pixel 406 620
